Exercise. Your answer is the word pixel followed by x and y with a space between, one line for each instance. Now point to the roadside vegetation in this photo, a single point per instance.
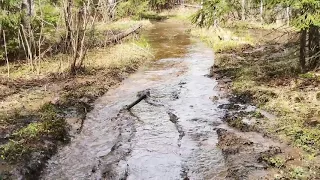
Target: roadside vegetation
pixel 57 58
pixel 37 118
pixel 270 50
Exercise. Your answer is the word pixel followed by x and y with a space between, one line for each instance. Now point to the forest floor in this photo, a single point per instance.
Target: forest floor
pixel 41 110
pixel 254 65
pixel 259 66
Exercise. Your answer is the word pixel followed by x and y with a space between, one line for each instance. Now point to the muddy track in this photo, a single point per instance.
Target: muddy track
pixel 179 132
pixel 174 119
pixel 119 151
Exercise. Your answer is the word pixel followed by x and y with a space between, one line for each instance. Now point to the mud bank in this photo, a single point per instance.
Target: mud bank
pixel 265 76
pixel 249 150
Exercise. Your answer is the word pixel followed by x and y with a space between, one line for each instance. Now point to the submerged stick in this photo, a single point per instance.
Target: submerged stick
pixel 142 95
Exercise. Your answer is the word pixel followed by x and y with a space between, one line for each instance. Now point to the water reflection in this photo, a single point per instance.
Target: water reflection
pixel 168 40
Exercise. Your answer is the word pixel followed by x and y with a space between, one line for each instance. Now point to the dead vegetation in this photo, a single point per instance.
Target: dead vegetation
pixel 267 75
pixel 39 112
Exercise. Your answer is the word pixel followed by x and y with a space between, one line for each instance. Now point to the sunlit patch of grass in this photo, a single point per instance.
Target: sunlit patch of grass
pixel 118 56
pixel 122 24
pixel 219 39
pixel 122 56
pixel 13 150
pixel 257 25
pixel 298 173
pixel 181 13
pixel 32 131
pixel 60 63
pixel 57 64
pixel 151 15
pixel 275 161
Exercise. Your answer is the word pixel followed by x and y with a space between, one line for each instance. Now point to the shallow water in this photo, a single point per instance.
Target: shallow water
pixel 169 136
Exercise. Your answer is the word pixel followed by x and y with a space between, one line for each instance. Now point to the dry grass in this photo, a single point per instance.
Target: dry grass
pixel 269 74
pixel 220 39
pixel 59 64
pixel 257 25
pixel 180 13
pixel 117 57
pixel 34 103
pixel 121 57
pixel 121 25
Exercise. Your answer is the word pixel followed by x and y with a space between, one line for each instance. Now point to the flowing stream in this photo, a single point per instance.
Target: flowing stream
pixel 168 136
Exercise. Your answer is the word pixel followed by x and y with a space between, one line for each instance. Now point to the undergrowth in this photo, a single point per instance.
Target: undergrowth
pixel 33 118
pixel 267 71
pixel 59 64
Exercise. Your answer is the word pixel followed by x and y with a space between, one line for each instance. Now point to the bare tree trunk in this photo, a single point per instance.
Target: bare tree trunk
pixel 68 19
pixel 288 15
pixel 261 11
pixel 302 59
pixel 28 46
pixel 310 42
pixel 40 39
pixel 78 32
pixel 243 10
pixel 21 41
pixel 5 49
pixel 317 47
pixel 27 8
pixel 314 47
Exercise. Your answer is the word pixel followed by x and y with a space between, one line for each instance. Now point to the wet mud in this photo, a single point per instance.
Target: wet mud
pixel 249 150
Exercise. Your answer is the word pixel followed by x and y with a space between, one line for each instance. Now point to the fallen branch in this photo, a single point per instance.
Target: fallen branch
pixel 192 6
pixel 141 95
pixel 122 35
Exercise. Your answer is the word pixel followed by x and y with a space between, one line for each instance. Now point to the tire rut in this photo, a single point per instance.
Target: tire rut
pixel 174 119
pixel 108 165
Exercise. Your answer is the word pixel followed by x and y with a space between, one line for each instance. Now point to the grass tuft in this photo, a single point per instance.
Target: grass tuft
pixel 219 39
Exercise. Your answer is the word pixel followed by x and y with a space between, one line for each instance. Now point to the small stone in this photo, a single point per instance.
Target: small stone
pixel 226 80
pixel 214 98
pixel 55 100
pixel 182 83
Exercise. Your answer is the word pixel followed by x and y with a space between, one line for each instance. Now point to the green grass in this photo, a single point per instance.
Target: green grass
pixel 276 161
pixel 298 173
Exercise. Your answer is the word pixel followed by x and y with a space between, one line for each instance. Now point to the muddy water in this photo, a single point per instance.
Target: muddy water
pixel 169 136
